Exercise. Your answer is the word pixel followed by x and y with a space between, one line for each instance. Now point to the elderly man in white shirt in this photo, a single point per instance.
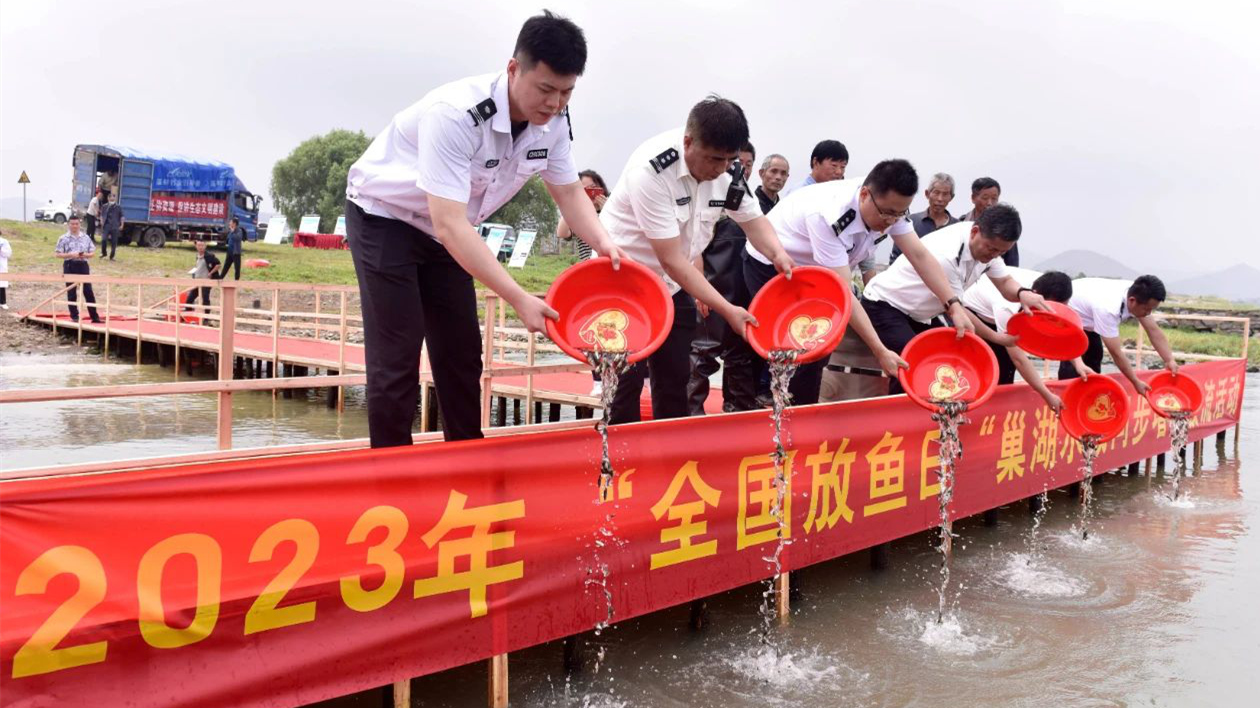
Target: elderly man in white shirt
pixel 662 213
pixel 990 311
pixel 440 166
pixel 901 305
pixel 1102 304
pixel 837 225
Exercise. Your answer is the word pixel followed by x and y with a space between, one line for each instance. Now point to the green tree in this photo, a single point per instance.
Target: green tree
pixel 534 203
pixel 312 179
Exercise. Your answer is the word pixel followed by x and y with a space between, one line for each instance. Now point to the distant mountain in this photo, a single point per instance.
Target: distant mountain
pixel 1090 263
pixel 1238 282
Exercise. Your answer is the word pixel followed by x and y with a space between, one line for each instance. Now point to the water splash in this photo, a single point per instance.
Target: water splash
pixel 1089 454
pixel 782 367
pixel 945 633
pixel 1028 576
pixel 948 417
pixel 1043 501
pixel 609 366
pixel 1180 436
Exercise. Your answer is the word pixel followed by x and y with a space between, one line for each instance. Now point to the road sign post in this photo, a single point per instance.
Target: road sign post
pixel 24 180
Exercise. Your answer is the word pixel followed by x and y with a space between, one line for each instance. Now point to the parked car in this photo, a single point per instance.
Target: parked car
pixel 52 212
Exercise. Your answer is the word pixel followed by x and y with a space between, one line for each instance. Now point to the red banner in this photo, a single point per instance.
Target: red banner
pixel 188 207
pixel 285 581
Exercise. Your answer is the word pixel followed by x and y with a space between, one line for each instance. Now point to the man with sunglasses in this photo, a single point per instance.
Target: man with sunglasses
pixel 837 225
pixel 901 303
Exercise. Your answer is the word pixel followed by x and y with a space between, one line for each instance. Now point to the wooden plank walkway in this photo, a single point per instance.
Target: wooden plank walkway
pixel 563 388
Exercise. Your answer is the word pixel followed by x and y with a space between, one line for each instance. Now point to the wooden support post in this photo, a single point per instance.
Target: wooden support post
pixel 275 333
pixel 105 349
pixel 1133 469
pixel 227 332
pixel 341 353
pixel 498 686
pixel 1159 462
pixel 516 411
pixel 332 392
pixel 317 314
pixel 80 296
pixel 500 414
pixel 402 694
pixel 179 316
pixel 782 601
pixel 487 358
pixel 699 615
pixel 532 411
pixel 139 319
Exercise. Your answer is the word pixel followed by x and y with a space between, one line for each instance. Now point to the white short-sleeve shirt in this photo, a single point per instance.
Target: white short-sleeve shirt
pixel 657 198
pixel 984 299
pixel 821 224
pixel 456 143
pixel 903 288
pixel 1101 303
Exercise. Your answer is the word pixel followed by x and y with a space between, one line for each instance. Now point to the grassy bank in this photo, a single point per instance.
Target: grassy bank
pixel 1195 342
pixel 33 245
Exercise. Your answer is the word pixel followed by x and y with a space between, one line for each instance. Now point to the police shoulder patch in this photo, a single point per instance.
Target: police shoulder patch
pixel 663 160
pixel 483 111
pixel 843 222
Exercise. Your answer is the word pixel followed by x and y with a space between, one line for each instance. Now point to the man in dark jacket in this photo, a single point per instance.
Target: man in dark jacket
pixel 235 240
pixel 112 223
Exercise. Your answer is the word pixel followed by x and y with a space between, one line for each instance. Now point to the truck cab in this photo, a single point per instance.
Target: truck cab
pixel 164 196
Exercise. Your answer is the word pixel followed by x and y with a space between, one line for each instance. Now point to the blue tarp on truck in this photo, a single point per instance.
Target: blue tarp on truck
pixel 165 195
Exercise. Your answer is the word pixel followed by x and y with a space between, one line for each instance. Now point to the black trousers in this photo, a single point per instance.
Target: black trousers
pixel 89 222
pixel 895 329
pixel 1092 357
pixel 746 367
pixel 109 242
pixel 1006 365
pixel 714 339
pixel 205 298
pixel 669 368
pixel 230 260
pixel 412 290
pixel 4 295
pixel 79 267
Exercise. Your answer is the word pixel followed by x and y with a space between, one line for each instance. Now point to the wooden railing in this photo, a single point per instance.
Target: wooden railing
pixel 500 343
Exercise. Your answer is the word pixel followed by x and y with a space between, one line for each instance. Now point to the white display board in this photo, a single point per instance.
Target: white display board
pixel 494 240
pixel 309 224
pixel 520 252
pixel 340 228
pixel 277 230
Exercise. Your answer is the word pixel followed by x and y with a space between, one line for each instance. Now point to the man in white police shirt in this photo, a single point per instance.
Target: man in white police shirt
pixel 837 225
pixel 440 166
pixel 662 212
pixel 901 305
pixel 1102 304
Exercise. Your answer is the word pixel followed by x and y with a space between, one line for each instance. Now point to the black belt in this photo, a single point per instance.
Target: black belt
pixel 854 370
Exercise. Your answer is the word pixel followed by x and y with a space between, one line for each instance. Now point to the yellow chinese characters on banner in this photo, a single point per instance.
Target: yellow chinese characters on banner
pixel 476 547
pixel 829 486
pixel 1011 457
pixel 1045 440
pixel 685 514
pixel 888 475
pixel 756 489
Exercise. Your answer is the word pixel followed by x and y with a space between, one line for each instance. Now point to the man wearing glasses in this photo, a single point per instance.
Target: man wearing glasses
pixel 837 225
pixel 901 303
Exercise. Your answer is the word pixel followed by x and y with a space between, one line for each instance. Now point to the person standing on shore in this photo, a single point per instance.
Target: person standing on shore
pixel 440 166
pixel 74 248
pixel 93 212
pixel 235 241
pixel 112 222
pixel 6 252
pixel 207 267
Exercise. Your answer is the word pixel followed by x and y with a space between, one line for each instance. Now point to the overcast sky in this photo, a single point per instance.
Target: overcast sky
pixel 1127 126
